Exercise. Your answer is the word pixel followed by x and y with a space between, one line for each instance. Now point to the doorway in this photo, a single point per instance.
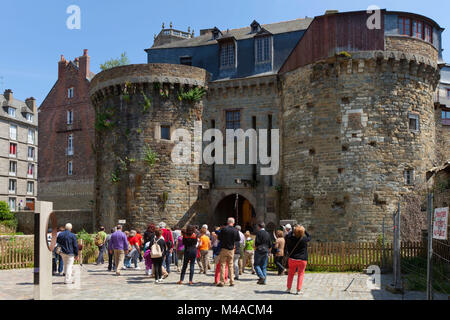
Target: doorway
pixel 239 208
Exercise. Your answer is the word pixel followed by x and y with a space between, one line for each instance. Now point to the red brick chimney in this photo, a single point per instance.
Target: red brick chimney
pixel 84 64
pixel 8 94
pixel 61 65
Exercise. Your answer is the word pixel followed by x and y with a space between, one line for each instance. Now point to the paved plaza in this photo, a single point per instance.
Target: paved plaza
pixel 96 283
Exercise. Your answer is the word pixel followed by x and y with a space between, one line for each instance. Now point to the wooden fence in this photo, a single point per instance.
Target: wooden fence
pixel 323 256
pixel 346 257
pixel 16 253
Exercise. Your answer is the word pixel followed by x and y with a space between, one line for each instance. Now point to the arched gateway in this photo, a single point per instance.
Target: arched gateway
pixel 237 206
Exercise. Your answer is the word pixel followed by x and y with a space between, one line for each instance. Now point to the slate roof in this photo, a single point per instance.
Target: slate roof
pixel 240 34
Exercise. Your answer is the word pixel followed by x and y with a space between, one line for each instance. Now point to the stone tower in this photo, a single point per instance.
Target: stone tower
pixel 358 128
pixel 137 108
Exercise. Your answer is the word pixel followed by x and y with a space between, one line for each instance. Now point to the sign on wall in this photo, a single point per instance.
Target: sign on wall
pixel 440 223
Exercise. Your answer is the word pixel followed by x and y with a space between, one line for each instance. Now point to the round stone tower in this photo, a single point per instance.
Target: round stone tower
pixel 358 134
pixel 137 109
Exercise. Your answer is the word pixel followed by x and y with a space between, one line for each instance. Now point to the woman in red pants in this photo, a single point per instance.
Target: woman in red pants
pixel 297 248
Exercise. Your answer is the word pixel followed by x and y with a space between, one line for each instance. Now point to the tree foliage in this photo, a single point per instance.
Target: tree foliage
pixel 122 61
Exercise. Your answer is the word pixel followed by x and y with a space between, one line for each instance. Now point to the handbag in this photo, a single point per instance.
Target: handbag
pixel 285 261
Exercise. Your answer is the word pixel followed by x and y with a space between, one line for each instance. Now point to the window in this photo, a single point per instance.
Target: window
pixel 29 117
pixel 12 112
pixel 448 93
pixel 31 136
pixel 445 115
pixel 70 93
pixel 70 117
pixel 417 29
pixel 69 168
pixel 30 171
pixel 31 153
pixel 12 204
pixel 13 150
pixel 227 55
pixel 165 132
pixel 70 145
pixel 428 33
pixel 413 122
pixel 12 168
pixel 404 26
pixel 12 186
pixel 13 132
pixel 30 187
pixel 409 177
pixel 263 49
pixel 187 61
pixel 233 119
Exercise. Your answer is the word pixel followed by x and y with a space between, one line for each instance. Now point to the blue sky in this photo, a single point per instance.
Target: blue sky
pixel 34 33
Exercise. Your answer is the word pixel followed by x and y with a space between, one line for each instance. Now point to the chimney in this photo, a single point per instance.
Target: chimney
pixel 61 65
pixel 31 104
pixel 330 12
pixel 84 64
pixel 8 94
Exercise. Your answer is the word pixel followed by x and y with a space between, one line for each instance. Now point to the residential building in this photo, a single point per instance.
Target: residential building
pixel 18 152
pixel 66 165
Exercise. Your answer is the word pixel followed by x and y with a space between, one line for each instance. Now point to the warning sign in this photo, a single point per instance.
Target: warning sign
pixel 440 223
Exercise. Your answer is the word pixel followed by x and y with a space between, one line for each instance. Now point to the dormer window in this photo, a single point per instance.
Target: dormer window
pixel 227 55
pixel 12 112
pixel 256 27
pixel 263 49
pixel 29 117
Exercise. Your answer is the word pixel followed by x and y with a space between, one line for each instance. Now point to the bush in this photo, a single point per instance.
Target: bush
pixel 5 213
pixel 122 61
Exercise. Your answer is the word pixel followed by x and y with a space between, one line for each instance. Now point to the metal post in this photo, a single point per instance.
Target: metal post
pixel 398 284
pixel 430 248
pixel 383 264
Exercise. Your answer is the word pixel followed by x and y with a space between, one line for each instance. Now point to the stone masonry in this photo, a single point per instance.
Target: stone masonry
pixel 137 101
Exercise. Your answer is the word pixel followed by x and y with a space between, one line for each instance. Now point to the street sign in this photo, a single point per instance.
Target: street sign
pixel 440 223
pixel 122 221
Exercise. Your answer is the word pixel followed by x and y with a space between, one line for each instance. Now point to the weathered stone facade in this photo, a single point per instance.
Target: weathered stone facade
pixel 127 187
pixel 358 131
pixel 346 140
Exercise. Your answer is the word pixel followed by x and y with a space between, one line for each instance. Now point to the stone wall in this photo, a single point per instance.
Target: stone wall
pixel 346 141
pixel 442 137
pixel 127 187
pixel 254 98
pixel 412 46
pixel 80 219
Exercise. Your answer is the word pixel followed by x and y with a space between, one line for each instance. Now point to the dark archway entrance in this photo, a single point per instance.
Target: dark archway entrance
pixel 238 207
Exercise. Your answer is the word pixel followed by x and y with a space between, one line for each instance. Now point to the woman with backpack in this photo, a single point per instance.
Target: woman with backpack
pixel 158 250
pixel 190 253
pixel 297 246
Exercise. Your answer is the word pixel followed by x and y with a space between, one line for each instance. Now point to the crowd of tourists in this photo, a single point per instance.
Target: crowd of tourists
pixel 164 249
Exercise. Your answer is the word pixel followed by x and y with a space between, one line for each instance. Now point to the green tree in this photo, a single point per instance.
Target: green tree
pixel 122 61
pixel 5 213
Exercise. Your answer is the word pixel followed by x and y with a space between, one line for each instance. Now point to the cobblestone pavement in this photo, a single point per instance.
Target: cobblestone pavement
pixel 99 284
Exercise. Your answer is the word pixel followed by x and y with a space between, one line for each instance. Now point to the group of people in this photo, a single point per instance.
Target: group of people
pixel 232 251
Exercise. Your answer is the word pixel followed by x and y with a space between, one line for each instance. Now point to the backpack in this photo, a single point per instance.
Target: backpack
pixel 98 240
pixel 156 251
